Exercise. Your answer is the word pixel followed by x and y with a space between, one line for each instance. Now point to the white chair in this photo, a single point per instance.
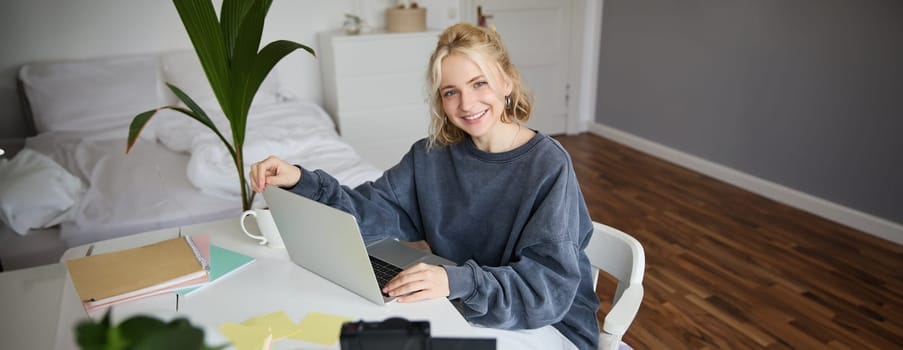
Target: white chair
pixel 621 256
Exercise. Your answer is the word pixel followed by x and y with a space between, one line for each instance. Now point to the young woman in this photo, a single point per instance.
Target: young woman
pixel 484 191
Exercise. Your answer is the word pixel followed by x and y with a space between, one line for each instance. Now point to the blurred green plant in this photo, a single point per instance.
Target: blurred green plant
pixel 140 333
pixel 228 51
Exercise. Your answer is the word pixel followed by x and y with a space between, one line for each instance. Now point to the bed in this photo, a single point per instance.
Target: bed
pixel 76 175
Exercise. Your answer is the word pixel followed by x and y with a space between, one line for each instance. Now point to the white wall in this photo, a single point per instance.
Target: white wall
pixel 40 30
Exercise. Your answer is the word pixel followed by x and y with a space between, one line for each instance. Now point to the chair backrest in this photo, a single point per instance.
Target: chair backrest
pixel 618 254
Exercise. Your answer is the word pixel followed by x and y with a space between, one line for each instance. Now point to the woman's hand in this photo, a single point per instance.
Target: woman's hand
pixel 419 282
pixel 273 171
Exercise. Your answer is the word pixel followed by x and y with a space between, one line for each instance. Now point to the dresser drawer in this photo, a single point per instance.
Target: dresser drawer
pixel 384 154
pixel 410 122
pixel 383 54
pixel 361 94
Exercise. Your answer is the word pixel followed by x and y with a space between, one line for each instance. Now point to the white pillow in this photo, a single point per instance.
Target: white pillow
pixel 183 69
pixel 35 191
pixel 93 95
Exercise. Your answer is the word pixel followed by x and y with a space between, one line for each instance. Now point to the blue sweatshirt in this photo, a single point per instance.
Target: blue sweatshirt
pixel 515 222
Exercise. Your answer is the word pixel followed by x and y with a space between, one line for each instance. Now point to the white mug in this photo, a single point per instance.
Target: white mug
pixel 267 227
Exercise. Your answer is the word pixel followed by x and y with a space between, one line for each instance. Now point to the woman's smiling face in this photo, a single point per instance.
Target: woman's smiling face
pixel 467 98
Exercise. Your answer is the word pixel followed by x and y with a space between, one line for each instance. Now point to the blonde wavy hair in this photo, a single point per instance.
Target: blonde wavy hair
pixel 484 47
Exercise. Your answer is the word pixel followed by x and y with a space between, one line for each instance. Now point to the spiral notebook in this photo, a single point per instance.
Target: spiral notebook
pixel 107 279
pixel 223 262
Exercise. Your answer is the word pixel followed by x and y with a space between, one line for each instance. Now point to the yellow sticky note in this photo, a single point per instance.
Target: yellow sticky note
pixel 278 324
pixel 320 328
pixel 247 338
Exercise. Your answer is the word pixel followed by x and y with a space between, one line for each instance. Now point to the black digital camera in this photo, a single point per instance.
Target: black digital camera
pixel 390 334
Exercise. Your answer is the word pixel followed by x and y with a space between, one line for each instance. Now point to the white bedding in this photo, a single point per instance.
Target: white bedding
pixel 301 133
pixel 178 172
pixel 155 187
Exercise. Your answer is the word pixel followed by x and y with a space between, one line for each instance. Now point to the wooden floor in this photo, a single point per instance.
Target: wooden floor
pixel 728 269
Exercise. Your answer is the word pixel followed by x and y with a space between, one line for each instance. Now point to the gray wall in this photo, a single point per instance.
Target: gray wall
pixel 806 94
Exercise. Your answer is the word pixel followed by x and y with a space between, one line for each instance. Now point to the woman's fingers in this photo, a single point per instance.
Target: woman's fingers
pixel 424 294
pixel 419 282
pixel 252 176
pixel 273 171
pixel 259 173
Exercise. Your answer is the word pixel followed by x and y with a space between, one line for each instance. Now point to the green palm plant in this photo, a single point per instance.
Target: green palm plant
pixel 228 51
pixel 140 332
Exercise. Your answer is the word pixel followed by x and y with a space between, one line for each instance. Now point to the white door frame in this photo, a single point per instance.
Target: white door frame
pixel 584 59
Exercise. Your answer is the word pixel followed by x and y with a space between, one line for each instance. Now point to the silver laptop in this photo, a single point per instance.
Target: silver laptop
pixel 328 242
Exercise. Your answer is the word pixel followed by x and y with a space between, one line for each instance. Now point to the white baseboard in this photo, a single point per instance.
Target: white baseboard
pixel 870 224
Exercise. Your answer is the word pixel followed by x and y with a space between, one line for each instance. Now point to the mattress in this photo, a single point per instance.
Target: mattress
pixel 167 182
pixel 146 190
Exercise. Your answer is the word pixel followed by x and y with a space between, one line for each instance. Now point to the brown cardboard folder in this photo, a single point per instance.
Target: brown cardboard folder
pixel 105 279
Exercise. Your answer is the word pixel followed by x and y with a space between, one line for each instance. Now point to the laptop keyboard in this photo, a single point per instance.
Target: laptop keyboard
pixel 384 271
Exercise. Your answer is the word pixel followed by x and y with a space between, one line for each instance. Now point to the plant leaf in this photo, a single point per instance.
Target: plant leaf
pixel 262 65
pixel 115 339
pixel 197 113
pixel 138 327
pixel 137 125
pixel 246 45
pixel 199 18
pixel 246 41
pixel 181 338
pixel 179 323
pixel 90 335
pixel 231 14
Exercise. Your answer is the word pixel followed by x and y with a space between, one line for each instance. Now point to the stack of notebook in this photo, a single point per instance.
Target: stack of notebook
pixel 106 279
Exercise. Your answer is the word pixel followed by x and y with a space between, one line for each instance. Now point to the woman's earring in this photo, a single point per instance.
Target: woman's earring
pixel 508 102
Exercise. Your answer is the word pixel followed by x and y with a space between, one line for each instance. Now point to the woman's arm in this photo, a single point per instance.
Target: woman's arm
pixel 538 286
pixel 376 206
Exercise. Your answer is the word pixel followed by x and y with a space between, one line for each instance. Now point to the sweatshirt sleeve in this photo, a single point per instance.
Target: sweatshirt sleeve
pixel 539 286
pixel 376 206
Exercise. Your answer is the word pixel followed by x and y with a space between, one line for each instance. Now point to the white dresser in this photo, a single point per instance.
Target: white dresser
pixel 375 88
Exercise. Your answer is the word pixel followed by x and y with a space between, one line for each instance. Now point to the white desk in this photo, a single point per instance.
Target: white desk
pixel 38 301
pixel 30 303
pixel 39 305
pixel 272 283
